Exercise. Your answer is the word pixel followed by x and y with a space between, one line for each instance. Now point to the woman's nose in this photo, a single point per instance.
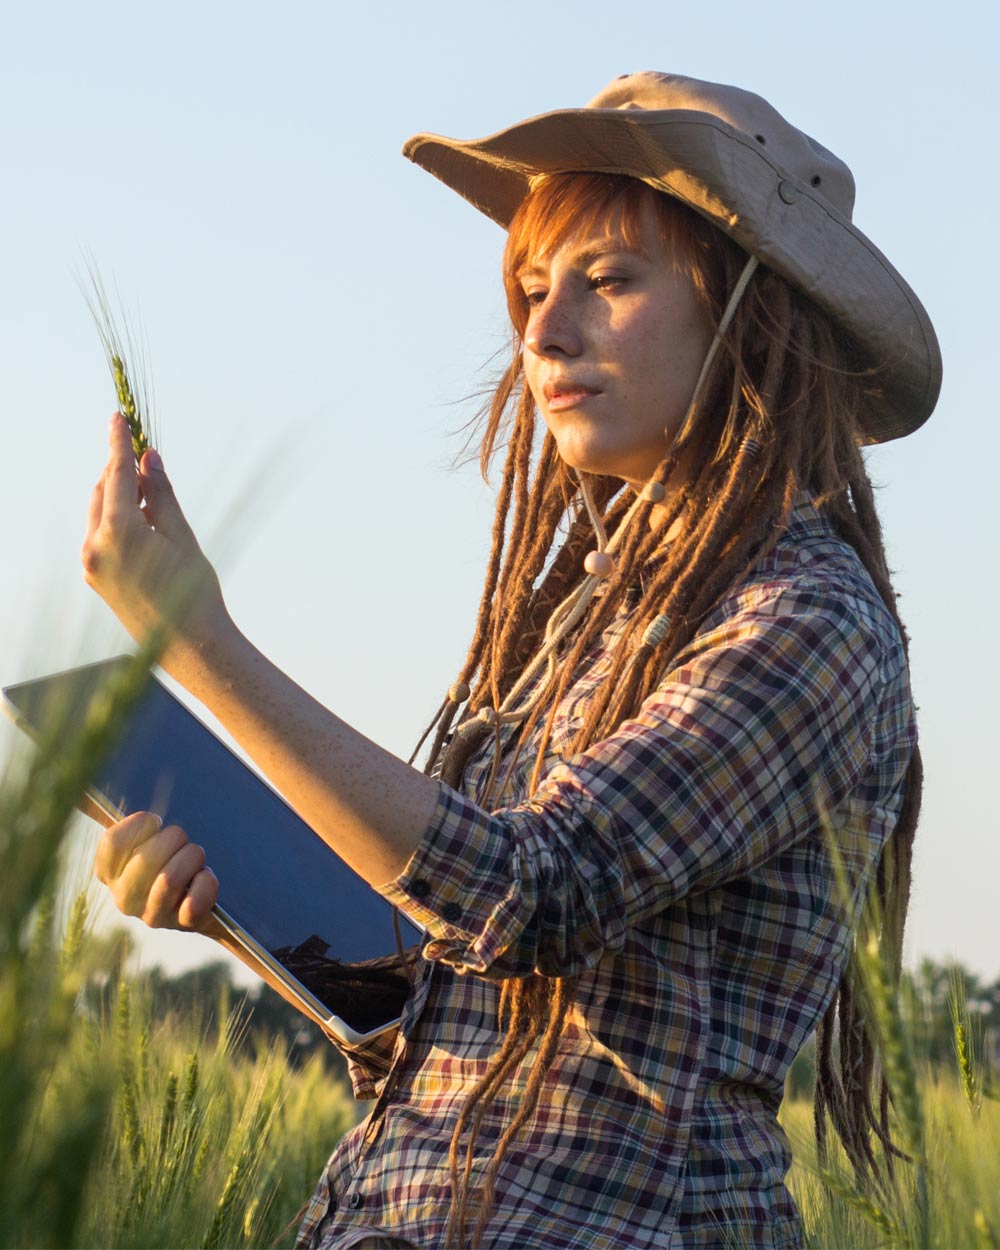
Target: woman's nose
pixel 553 329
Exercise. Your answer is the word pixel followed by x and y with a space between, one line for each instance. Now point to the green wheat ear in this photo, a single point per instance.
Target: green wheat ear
pixel 126 362
pixel 128 407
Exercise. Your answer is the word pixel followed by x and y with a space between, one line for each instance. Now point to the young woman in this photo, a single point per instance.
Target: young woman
pixel 684 718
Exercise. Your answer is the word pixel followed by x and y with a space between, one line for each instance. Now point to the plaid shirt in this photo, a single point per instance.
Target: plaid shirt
pixel 678 868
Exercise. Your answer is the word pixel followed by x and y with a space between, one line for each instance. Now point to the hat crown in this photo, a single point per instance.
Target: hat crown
pixel 800 156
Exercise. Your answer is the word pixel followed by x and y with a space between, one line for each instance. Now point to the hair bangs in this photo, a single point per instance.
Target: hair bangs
pixel 562 205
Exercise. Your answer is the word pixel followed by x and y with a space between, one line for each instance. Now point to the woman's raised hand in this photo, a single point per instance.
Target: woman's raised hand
pixel 154 872
pixel 145 562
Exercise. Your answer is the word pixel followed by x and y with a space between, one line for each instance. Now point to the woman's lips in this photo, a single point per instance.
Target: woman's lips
pixel 566 395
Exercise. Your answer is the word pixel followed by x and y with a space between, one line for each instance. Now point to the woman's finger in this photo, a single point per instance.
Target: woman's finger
pixel 132 886
pixel 96 506
pixel 161 502
pixel 195 908
pixel 95 511
pixel 171 885
pixel 120 477
pixel 119 843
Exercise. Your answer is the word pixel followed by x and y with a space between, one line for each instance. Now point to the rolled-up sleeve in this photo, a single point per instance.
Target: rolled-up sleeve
pixel 749 744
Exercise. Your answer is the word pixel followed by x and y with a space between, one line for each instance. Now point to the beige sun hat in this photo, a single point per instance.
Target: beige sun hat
pixel 733 158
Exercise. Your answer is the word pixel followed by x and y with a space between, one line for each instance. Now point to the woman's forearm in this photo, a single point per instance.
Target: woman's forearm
pixel 364 802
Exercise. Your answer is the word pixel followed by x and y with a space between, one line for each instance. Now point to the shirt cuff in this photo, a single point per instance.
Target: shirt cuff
pixel 463 883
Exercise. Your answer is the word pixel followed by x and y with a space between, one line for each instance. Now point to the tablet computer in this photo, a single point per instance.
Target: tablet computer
pixel 283 894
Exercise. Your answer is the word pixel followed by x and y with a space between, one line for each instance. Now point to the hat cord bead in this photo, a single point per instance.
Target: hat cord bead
pixel 654 492
pixel 599 564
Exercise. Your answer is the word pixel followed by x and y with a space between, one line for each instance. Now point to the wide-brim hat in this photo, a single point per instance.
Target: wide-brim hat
pixel 734 159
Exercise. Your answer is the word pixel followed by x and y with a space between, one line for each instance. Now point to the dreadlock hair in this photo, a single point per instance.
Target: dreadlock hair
pixel 780 412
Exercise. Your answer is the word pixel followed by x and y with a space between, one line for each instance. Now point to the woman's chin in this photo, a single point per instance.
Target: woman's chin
pixel 604 462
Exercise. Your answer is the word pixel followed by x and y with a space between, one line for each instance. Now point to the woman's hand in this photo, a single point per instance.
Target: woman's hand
pixel 157 874
pixel 145 561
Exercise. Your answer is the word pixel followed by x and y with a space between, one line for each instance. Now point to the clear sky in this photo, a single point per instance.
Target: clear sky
pixel 319 312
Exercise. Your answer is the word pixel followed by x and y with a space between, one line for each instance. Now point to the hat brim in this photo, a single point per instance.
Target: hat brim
pixel 789 226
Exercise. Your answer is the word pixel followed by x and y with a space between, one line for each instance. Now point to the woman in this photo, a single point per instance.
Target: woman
pixel 684 717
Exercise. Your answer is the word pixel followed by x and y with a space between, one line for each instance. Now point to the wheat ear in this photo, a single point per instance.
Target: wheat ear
pixel 126 360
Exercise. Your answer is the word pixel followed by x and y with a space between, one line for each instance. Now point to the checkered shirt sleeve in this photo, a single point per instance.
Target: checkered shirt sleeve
pixel 763 726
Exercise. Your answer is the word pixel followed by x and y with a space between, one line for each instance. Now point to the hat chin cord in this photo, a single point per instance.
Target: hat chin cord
pixel 713 348
pixel 599 563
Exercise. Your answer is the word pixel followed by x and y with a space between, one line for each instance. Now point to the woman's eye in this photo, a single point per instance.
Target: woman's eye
pixel 606 281
pixel 532 298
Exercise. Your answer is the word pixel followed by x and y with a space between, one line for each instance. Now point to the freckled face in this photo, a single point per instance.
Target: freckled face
pixel 613 346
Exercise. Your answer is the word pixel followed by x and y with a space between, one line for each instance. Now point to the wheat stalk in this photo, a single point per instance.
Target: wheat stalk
pixel 76 929
pixel 968 1045
pixel 986 1238
pixel 865 1204
pixel 169 1113
pixel 127 361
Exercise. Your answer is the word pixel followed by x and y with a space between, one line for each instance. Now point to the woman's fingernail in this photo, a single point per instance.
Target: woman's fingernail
pixel 153 460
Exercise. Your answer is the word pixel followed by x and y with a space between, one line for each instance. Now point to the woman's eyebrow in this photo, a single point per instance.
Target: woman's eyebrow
pixel 586 256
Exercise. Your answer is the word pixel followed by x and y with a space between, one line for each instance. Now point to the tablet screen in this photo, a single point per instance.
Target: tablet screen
pixel 277 879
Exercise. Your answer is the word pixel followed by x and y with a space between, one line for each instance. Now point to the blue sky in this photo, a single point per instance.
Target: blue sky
pixel 319 312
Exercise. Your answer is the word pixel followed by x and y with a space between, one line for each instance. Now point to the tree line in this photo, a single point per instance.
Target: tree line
pixel 936 999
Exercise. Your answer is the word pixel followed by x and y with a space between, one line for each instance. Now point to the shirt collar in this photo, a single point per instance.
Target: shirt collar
pixel 807 520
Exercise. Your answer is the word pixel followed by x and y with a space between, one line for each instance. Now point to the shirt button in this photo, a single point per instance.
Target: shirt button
pixel 355 1202
pixel 452 913
pixel 420 888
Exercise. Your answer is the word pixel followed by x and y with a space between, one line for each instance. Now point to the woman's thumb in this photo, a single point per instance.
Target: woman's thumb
pixel 161 502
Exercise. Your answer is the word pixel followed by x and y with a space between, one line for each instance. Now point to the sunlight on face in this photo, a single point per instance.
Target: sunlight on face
pixel 614 342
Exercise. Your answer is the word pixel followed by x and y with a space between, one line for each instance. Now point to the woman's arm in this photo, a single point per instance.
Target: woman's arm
pixel 370 807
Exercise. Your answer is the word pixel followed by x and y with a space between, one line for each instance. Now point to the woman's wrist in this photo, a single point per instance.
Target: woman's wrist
pixel 204 651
